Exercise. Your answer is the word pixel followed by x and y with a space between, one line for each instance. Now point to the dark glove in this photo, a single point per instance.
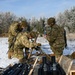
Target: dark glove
pixel 37 48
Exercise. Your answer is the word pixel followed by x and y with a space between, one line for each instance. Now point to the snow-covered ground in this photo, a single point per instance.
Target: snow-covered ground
pixel 4 61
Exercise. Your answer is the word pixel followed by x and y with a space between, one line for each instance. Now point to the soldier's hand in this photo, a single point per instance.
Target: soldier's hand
pixel 52 54
pixel 37 48
pixel 39 44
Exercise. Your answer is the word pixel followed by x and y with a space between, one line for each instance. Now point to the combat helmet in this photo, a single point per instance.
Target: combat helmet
pixel 33 34
pixel 24 24
pixel 51 21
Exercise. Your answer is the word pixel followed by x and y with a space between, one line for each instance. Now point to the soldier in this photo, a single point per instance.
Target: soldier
pixel 14 29
pixel 55 36
pixel 22 41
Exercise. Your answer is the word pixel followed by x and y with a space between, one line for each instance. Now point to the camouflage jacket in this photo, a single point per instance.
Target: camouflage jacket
pixel 55 36
pixel 23 41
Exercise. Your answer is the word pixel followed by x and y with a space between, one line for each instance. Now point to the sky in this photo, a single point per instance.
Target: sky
pixel 36 8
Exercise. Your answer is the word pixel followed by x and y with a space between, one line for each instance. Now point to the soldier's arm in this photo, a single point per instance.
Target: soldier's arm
pixel 27 43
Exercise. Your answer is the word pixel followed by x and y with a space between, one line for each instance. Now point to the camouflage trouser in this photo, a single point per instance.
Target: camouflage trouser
pixel 11 44
pixel 11 50
pixel 57 51
pixel 18 53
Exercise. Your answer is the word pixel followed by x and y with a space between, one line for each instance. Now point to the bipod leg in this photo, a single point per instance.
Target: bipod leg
pixel 48 57
pixel 33 66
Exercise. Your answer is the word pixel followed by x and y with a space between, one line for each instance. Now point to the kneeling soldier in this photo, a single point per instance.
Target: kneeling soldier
pixel 22 41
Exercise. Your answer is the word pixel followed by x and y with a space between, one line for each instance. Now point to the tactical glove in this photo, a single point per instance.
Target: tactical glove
pixel 37 48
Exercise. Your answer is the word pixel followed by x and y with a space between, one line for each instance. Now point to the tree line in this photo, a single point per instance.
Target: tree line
pixel 65 19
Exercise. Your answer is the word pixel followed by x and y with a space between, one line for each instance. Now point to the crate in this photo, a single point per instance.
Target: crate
pixel 66 64
pixel 72 70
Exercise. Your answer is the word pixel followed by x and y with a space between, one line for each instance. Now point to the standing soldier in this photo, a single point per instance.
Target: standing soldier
pixel 22 41
pixel 55 36
pixel 14 29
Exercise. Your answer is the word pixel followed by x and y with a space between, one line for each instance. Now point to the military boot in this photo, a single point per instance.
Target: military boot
pixel 10 54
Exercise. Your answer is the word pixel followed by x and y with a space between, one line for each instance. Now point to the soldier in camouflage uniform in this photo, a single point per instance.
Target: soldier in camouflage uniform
pixel 14 29
pixel 55 36
pixel 22 41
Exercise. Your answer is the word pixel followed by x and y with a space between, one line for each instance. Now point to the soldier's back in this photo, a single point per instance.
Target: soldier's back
pixel 21 36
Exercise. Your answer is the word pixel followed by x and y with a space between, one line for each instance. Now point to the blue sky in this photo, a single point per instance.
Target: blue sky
pixel 36 8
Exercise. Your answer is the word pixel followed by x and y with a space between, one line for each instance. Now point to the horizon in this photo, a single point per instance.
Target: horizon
pixel 34 8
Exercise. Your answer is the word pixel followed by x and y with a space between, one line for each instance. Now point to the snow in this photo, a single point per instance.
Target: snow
pixel 4 61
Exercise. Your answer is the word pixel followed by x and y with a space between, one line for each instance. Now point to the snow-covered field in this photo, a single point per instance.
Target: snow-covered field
pixel 4 61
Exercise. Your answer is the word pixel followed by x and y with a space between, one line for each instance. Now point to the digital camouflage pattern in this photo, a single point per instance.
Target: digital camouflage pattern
pixel 55 36
pixel 22 41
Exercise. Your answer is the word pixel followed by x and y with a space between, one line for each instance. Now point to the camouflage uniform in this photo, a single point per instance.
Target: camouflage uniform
pixel 14 29
pixel 11 38
pixel 55 36
pixel 26 29
pixel 22 41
